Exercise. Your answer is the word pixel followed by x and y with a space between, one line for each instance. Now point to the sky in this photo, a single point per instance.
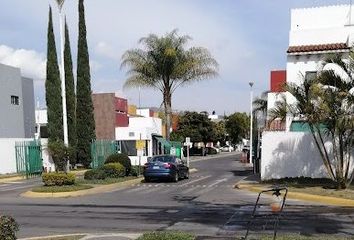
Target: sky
pixel 248 38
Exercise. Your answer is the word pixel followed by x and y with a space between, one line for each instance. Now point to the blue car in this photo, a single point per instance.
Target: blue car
pixel 166 167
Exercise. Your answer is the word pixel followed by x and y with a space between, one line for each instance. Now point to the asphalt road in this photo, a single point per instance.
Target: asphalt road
pixel 205 204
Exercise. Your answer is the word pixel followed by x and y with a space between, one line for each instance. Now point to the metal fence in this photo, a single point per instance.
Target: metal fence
pixel 29 161
pixel 101 149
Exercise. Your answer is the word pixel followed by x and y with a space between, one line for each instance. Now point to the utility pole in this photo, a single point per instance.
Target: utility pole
pixel 251 126
pixel 62 71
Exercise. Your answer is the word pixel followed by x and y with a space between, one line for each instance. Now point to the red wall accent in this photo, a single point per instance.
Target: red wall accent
pixel 121 104
pixel 277 80
pixel 122 120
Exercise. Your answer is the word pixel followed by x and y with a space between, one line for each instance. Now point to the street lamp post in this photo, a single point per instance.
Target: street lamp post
pixel 251 125
pixel 62 72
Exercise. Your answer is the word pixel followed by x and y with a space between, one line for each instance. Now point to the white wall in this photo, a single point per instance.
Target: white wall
pixel 48 163
pixel 8 154
pixel 290 154
pixel 145 112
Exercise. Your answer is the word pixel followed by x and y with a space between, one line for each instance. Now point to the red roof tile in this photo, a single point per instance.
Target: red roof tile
pixel 318 48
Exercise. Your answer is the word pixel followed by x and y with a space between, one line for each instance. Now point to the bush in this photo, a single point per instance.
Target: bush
pixel 58 179
pixel 167 236
pixel 114 170
pixel 8 228
pixel 122 159
pixel 212 151
pixel 134 170
pixel 95 174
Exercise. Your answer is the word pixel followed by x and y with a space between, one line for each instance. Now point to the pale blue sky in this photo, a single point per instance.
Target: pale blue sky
pixel 247 37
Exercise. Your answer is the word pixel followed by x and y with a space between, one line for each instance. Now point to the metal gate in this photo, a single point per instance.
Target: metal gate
pixel 29 161
pixel 101 149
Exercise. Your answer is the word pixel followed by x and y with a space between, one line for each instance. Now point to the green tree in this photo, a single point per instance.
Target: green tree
pixel 84 106
pixel 53 88
pixel 237 126
pixel 70 96
pixel 326 103
pixel 165 64
pixel 196 126
pixel 220 132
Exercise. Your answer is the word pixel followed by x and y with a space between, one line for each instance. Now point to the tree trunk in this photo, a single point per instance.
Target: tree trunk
pixel 167 105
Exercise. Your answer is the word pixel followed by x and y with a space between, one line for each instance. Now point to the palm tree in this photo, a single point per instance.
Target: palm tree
pixel 279 111
pixel 326 102
pixel 165 64
pixel 260 106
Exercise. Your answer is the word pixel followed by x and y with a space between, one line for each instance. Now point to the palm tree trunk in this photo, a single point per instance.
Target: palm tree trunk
pixel 167 105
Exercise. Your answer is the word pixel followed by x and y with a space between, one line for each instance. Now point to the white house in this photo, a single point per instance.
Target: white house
pixel 148 129
pixel 314 33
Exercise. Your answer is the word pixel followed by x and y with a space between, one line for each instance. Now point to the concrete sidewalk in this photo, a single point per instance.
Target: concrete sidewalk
pixel 252 183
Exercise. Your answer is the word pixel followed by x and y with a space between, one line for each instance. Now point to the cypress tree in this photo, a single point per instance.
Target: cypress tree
pixel 70 96
pixel 53 88
pixel 84 105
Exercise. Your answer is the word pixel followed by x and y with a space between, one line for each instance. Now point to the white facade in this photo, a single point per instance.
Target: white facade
pixel 144 112
pixel 316 26
pixel 140 128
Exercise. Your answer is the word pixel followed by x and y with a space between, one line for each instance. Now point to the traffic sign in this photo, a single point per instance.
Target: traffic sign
pixel 140 144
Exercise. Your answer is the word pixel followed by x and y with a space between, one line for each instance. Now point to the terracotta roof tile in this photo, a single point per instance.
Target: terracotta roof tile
pixel 317 48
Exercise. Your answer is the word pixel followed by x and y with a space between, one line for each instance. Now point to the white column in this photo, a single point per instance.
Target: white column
pixel 62 74
pixel 251 124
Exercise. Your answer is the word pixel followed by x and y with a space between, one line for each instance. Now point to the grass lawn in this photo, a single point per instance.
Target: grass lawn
pixel 322 187
pixel 105 181
pixel 65 188
pixel 3 176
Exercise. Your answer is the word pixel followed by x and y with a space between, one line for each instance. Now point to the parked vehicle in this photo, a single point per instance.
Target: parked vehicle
pixel 227 148
pixel 165 167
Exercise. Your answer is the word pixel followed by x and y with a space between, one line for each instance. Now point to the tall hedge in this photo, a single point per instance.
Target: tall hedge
pixel 53 88
pixel 70 96
pixel 84 108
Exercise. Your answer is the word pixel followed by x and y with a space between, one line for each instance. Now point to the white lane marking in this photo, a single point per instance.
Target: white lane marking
pixel 193 181
pixel 217 182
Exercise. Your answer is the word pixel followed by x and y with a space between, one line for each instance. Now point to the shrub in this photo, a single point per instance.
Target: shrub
pixel 58 179
pixel 60 154
pixel 114 170
pixel 94 174
pixel 212 151
pixel 134 170
pixel 122 159
pixel 8 228
pixel 167 236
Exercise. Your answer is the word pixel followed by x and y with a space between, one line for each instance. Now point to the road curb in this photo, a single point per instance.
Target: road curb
pixel 333 201
pixel 87 236
pixel 91 191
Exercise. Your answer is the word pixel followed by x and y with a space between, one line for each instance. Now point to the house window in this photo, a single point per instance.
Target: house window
pixel 310 75
pixel 131 134
pixel 15 100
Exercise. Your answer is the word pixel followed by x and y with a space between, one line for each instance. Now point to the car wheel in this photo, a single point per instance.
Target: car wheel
pixel 175 177
pixel 186 176
pixel 147 179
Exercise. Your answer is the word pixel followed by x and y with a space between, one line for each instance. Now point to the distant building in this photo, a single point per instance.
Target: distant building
pixel 17 118
pixel 110 111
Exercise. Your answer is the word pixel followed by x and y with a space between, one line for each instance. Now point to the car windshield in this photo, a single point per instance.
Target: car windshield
pixel 162 159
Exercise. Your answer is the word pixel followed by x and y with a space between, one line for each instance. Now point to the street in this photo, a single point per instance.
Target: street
pixel 206 204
